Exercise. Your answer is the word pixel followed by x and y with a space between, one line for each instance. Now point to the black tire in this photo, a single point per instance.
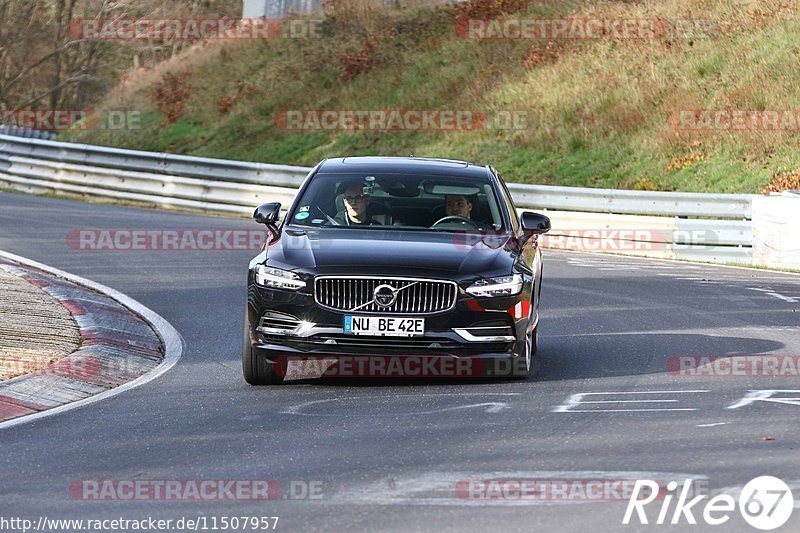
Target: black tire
pixel 255 367
pixel 528 366
pixel 536 361
pixel 525 367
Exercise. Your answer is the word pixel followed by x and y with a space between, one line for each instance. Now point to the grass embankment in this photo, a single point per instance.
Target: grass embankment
pixel 599 109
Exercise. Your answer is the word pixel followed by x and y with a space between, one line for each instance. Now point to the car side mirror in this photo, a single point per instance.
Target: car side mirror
pixel 534 223
pixel 268 213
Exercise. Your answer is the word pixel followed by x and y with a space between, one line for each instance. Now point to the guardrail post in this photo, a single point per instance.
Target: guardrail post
pixel 776 231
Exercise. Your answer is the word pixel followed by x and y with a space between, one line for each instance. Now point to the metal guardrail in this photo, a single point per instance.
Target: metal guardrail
pixel 154 162
pixel 714 227
pixel 682 204
pixel 28 133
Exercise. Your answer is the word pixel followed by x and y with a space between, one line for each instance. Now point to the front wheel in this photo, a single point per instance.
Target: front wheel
pixel 527 366
pixel 255 367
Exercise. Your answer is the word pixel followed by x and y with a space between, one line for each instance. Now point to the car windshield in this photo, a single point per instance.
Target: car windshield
pixel 413 202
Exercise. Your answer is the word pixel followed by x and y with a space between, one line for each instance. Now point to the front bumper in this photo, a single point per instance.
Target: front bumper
pixel 475 327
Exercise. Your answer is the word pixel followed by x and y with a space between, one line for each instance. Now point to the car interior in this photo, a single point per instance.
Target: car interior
pixel 417 203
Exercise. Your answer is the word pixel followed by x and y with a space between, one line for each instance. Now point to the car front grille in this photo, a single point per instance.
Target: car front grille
pixel 356 294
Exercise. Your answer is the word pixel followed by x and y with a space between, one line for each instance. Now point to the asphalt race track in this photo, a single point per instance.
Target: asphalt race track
pixel 386 455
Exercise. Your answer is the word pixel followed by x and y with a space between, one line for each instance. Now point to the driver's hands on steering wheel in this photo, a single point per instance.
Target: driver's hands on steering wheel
pixel 456 218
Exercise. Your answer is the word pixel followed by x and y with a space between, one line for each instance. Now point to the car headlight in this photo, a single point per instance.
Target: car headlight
pixel 278 279
pixel 502 286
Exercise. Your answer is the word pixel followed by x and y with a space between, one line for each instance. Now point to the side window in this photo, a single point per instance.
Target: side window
pixel 511 210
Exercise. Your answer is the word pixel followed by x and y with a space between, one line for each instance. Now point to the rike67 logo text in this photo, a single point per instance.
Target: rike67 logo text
pixel 766 503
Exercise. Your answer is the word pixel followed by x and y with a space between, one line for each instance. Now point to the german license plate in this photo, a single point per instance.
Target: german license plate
pixel 385 326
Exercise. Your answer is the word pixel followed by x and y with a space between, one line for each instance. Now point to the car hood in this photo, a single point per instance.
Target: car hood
pixel 362 251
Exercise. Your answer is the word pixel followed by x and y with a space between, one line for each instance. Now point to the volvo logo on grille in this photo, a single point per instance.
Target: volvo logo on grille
pixel 385 295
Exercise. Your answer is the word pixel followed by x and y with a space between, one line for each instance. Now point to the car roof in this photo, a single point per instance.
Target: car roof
pixel 402 165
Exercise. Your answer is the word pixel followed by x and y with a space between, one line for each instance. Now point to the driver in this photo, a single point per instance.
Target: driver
pixel 456 205
pixel 355 208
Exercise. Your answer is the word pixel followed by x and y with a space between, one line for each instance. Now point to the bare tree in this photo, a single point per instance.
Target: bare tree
pixel 44 62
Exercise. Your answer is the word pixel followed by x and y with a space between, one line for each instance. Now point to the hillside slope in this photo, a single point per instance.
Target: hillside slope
pixel 598 112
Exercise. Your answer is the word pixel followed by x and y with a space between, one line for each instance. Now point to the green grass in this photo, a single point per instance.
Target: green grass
pixel 598 110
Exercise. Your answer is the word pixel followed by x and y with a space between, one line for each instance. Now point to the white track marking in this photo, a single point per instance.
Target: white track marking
pixel 489 407
pixel 173 342
pixel 774 294
pixel 576 400
pixel 766 395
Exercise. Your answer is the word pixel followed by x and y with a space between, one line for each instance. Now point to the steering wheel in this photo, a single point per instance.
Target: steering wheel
pixel 456 218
